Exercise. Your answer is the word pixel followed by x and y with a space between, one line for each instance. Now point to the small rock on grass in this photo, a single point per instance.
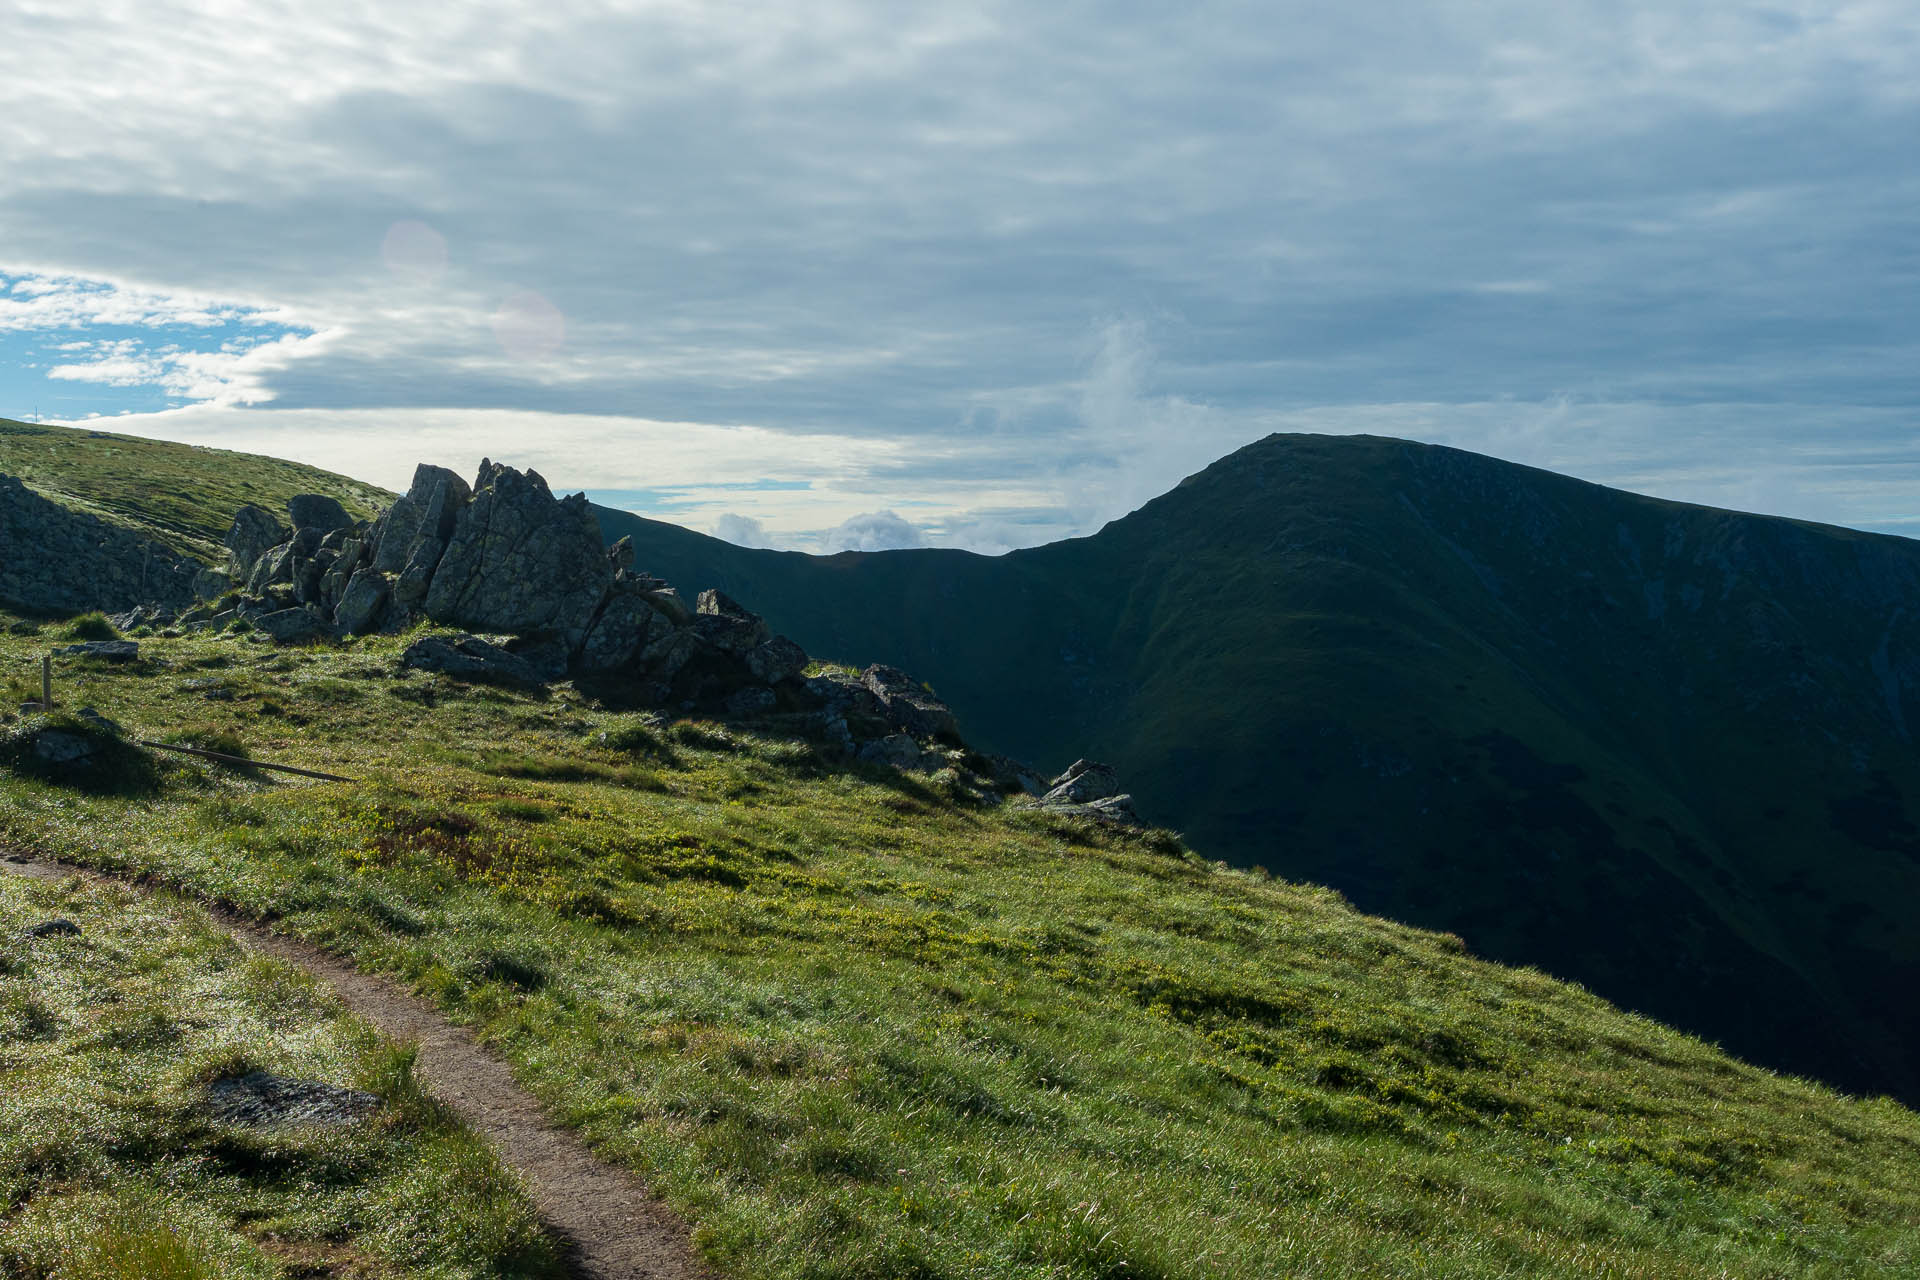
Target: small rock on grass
pixel 261 1100
pixel 61 928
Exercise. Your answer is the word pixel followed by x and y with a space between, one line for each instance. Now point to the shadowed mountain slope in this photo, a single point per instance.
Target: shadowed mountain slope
pixel 1662 749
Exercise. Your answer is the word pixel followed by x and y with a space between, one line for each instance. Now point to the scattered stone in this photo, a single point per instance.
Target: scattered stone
pixel 470 658
pixel 56 928
pixel 107 650
pixel 1083 782
pixel 262 1100
pixel 901 751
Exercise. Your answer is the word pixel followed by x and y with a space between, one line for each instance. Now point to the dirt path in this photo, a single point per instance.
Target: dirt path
pixel 614 1228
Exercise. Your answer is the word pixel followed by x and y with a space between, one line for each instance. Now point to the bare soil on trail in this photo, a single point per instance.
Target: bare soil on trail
pixel 612 1226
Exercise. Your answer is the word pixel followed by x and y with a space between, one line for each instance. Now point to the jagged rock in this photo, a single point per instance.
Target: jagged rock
pixel 275 566
pixel 470 658
pixel 1084 781
pixel 416 575
pixel 109 650
pixel 777 660
pixel 668 602
pixel 317 511
pixel 519 560
pixel 427 510
pixel 908 704
pixel 666 655
pixel 622 630
pixel 254 532
pixel 53 560
pixel 620 555
pixel 362 602
pixel 754 700
pixel 732 635
pixel 292 626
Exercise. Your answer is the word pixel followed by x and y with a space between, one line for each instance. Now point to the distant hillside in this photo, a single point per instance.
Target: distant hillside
pixel 182 495
pixel 1661 749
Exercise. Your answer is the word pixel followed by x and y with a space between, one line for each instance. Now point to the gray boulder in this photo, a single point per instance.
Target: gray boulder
pixel 622 630
pixel 109 650
pixel 426 511
pixel 908 704
pixel 777 660
pixel 254 532
pixel 901 752
pixel 1083 782
pixel 470 658
pixel 362 602
pixel 519 560
pixel 317 511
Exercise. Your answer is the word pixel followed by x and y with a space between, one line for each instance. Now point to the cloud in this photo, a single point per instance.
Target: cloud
pixel 742 531
pixel 874 531
pixel 1027 265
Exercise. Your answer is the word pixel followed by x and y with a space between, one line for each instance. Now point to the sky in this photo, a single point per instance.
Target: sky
pixel 823 274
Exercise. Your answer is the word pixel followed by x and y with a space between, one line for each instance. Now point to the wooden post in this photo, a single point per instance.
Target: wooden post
pixel 46 682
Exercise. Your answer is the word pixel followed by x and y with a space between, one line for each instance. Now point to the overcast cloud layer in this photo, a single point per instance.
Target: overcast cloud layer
pixel 838 274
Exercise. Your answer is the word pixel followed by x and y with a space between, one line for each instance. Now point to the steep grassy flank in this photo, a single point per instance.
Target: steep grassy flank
pixel 856 1029
pixel 182 495
pixel 112 1169
pixel 1664 750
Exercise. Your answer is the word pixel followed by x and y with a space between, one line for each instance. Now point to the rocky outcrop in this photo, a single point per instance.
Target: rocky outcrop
pixel 54 560
pixel 538 598
pixel 1089 790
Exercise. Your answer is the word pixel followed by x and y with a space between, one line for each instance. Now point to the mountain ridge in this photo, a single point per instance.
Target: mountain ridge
pixel 1289 653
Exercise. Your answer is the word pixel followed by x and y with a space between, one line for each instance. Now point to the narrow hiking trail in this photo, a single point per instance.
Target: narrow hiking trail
pixel 613 1227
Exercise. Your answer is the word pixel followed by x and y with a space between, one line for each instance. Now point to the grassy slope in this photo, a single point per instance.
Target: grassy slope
pixel 111 1170
pixel 1663 749
pixel 182 495
pixel 856 1030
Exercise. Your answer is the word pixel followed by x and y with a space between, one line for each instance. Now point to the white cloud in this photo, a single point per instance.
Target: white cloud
pixel 743 531
pixel 874 531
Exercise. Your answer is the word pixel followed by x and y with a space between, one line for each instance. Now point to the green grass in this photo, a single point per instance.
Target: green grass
pixel 112 1169
pixel 181 495
pixel 855 1028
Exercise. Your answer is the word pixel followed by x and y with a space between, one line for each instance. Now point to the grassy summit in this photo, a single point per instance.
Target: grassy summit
pixel 181 495
pixel 856 1026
